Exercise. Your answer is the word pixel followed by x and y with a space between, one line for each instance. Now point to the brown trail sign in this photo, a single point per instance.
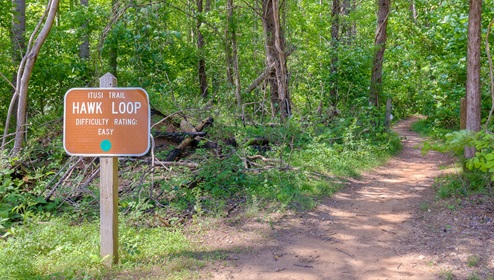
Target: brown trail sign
pixel 107 122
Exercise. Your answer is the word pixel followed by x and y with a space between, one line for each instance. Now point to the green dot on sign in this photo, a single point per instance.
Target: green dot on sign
pixel 105 145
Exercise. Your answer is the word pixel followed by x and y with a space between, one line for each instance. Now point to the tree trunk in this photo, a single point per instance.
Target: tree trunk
pixel 203 81
pixel 17 35
pixel 473 71
pixel 228 51
pixel 84 46
pixel 232 37
pixel 349 29
pixel 26 68
pixel 114 46
pixel 18 46
pixel 413 11
pixel 276 57
pixel 335 28
pixel 380 44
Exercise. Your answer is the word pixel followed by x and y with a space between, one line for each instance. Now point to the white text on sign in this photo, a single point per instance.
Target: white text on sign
pixel 125 108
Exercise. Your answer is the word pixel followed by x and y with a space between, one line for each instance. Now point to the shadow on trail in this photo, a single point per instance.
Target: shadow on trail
pixel 366 231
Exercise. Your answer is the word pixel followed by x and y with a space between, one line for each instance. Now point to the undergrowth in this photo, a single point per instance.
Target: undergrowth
pixel 57 249
pixel 477 173
pixel 49 201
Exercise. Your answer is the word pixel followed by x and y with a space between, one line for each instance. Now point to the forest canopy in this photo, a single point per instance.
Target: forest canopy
pixel 154 45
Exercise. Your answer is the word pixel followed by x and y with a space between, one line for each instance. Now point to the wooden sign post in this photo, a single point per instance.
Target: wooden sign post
pixel 107 122
pixel 108 196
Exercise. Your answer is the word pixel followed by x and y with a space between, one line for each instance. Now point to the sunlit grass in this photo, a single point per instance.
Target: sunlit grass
pixel 56 248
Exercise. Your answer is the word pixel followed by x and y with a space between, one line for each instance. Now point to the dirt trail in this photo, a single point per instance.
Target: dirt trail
pixel 373 229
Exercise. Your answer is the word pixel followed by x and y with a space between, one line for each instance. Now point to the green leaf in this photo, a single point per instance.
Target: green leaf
pixel 469 164
pixel 489 163
pixel 489 157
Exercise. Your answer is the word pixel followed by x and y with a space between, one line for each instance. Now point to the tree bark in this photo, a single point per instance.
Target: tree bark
pixel 177 152
pixel 26 68
pixel 275 55
pixel 349 29
pixel 114 46
pixel 17 35
pixel 232 36
pixel 473 71
pixel 18 43
pixel 228 51
pixel 335 28
pixel 380 44
pixel 203 81
pixel 84 46
pixel 413 11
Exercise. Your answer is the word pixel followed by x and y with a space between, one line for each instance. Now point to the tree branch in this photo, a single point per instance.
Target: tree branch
pixel 261 78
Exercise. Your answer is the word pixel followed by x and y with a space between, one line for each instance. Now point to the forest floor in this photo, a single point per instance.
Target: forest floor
pixel 388 224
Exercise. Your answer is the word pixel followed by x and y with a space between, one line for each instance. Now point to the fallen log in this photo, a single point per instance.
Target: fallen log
pixel 177 163
pixel 176 153
pixel 177 137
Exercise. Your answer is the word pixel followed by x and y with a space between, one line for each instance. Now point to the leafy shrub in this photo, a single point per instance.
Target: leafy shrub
pixel 478 171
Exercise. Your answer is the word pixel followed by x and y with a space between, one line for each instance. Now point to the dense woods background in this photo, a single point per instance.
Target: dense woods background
pixel 190 54
pixel 278 98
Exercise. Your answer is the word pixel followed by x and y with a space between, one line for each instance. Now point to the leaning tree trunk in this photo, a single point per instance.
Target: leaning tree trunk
pixel 25 70
pixel 473 71
pixel 276 59
pixel 380 44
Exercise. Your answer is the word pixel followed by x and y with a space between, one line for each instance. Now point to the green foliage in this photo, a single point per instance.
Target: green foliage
pixel 303 158
pixel 155 45
pixel 478 171
pixel 431 128
pixel 59 249
pixel 25 179
pixel 19 197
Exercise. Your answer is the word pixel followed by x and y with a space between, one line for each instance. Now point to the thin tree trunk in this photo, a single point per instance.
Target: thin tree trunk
pixel 413 11
pixel 234 58
pixel 349 29
pixel 229 37
pixel 114 46
pixel 203 81
pixel 321 83
pixel 473 71
pixel 84 46
pixel 380 44
pixel 26 69
pixel 17 35
pixel 18 46
pixel 335 40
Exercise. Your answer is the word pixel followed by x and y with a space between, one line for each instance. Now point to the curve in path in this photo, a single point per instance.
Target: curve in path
pixel 363 232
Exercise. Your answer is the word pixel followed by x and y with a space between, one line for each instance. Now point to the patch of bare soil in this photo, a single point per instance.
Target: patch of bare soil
pixel 386 225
